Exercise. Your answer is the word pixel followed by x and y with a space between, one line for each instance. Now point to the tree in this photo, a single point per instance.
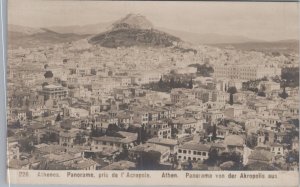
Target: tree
pixel 124 154
pixel 10 133
pixel 95 132
pixel 232 156
pixel 292 156
pixel 214 132
pixel 261 94
pixel 17 124
pixel 148 160
pixel 190 86
pixel 291 76
pixel 51 137
pixel 48 74
pixel 112 129
pixel 172 83
pixel 45 84
pixel 251 141
pixel 79 139
pixel 142 135
pixel 190 165
pixel 213 158
pixel 26 144
pixel 161 83
pixel 58 117
pixel 232 90
pixel 174 161
pixel 283 95
pixel 231 99
pixel 174 131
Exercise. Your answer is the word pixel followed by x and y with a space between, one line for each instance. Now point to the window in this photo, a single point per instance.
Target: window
pixel 189 152
pixel 194 159
pixel 184 151
pixel 184 158
pixel 179 157
pixel 195 153
pixel 199 153
pixel 204 153
pixel 179 151
pixel 189 158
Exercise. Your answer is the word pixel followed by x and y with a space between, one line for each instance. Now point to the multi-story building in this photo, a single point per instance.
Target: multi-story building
pixel 54 92
pixel 244 71
pixel 192 151
pixel 159 129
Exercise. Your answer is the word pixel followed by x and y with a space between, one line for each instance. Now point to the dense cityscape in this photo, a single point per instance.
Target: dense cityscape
pixel 85 105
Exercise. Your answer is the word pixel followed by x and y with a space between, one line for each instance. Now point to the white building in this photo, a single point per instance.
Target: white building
pixel 192 151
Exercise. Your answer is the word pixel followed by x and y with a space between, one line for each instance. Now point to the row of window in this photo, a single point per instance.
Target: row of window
pixel 190 152
pixel 189 158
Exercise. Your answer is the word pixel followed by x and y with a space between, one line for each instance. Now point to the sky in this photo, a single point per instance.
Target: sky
pixel 264 21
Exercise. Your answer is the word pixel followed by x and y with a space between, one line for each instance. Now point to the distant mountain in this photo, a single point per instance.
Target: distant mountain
pixel 281 46
pixel 19 36
pixel 133 21
pixel 23 30
pixel 209 38
pixel 83 30
pixel 134 30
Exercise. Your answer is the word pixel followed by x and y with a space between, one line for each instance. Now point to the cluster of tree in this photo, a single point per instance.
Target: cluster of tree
pixel 27 144
pixel 215 159
pixel 143 135
pixel 124 154
pixel 288 139
pixel 261 91
pixel 17 124
pixel 203 69
pixel 212 129
pixel 292 156
pixel 252 85
pixel 167 85
pixel 290 75
pixel 251 141
pixel 50 137
pixel 97 132
pixel 79 138
pixel 148 160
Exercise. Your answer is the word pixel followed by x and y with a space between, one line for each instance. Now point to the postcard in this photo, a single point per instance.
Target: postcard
pixel 153 93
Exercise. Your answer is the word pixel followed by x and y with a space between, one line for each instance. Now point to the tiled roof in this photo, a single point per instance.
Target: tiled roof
pixel 163 141
pixel 261 155
pixel 234 140
pixel 195 146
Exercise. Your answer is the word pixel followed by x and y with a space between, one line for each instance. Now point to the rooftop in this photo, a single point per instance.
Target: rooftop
pixel 195 146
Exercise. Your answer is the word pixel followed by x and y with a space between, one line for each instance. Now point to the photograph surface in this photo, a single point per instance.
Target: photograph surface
pixel 169 87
